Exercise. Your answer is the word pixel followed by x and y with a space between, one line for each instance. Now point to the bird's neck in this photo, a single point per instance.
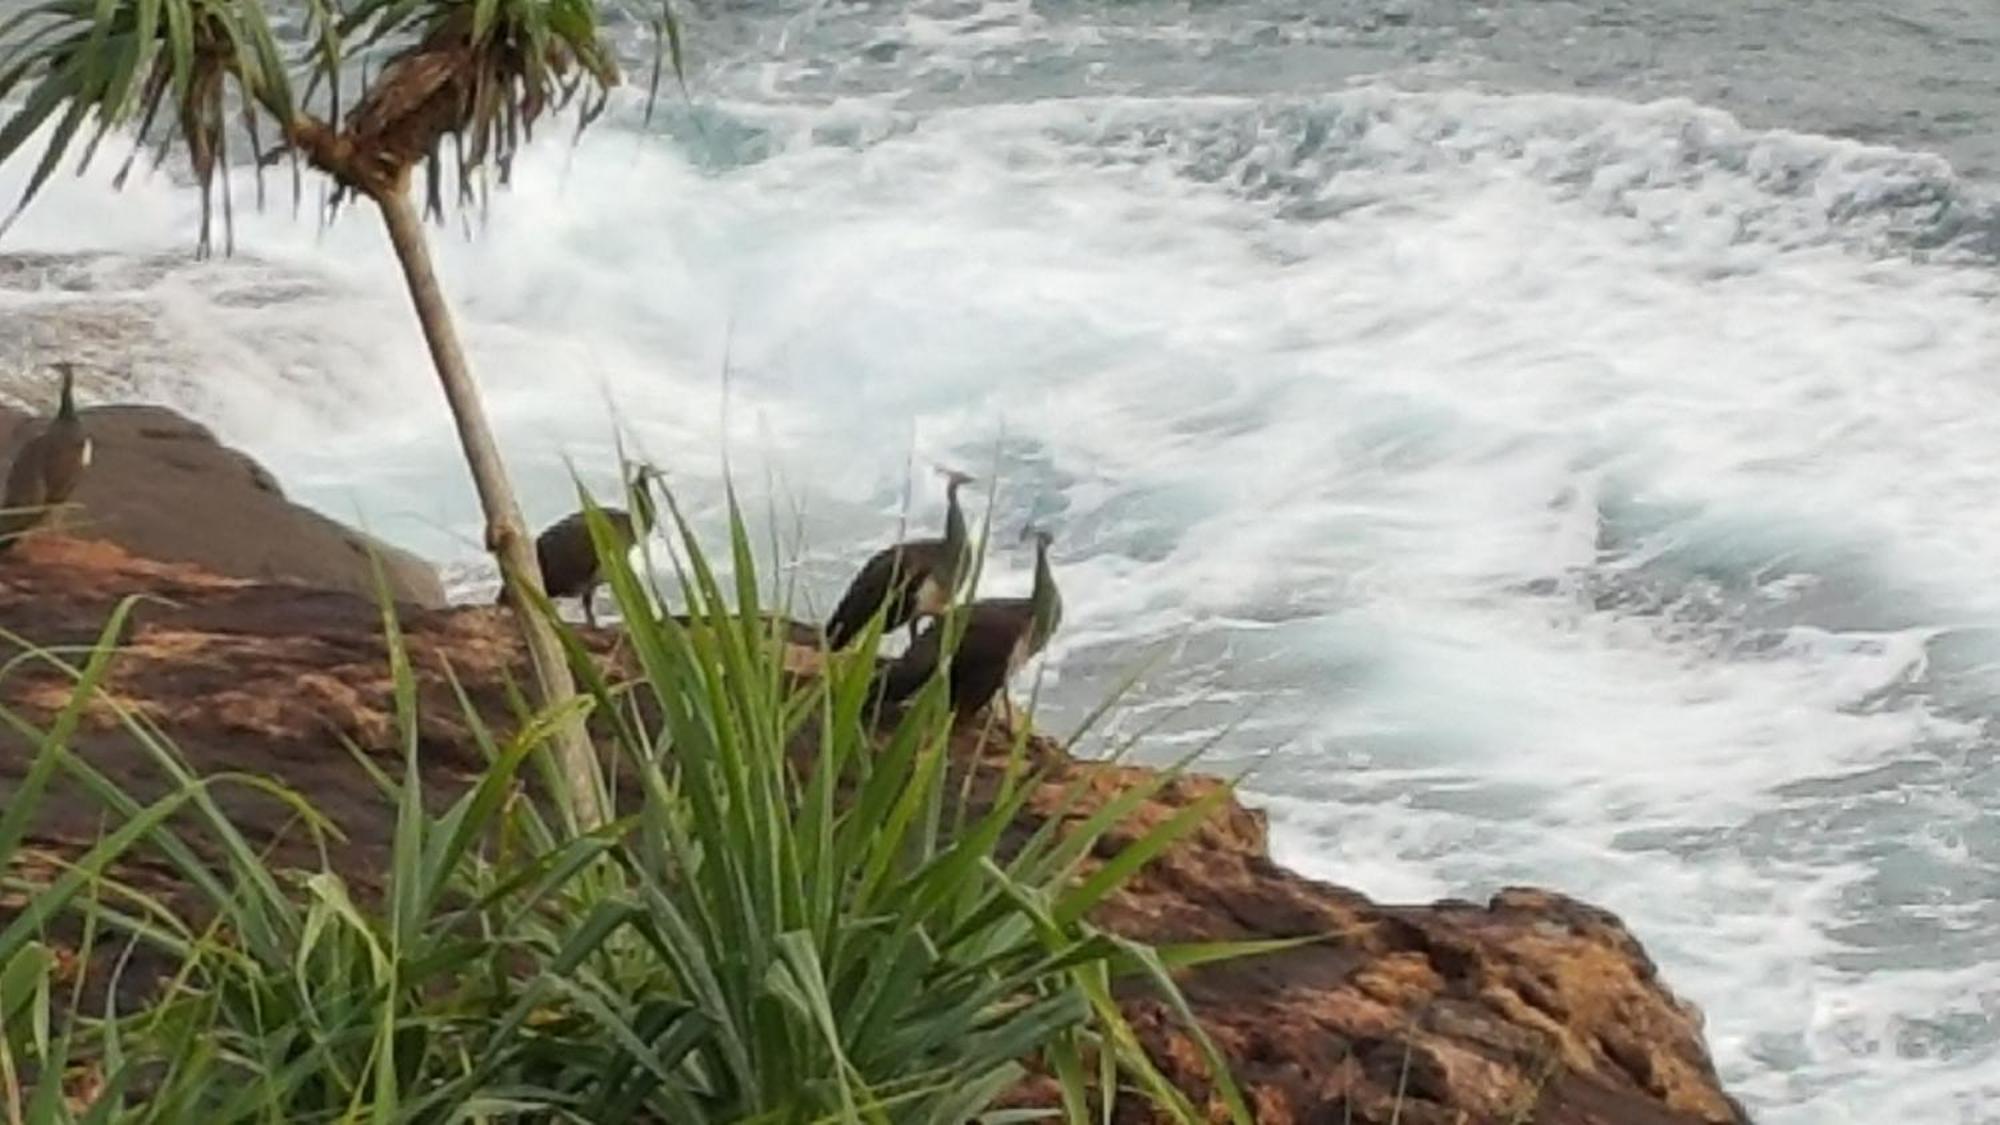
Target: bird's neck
pixel 642 505
pixel 954 526
pixel 1046 599
pixel 67 409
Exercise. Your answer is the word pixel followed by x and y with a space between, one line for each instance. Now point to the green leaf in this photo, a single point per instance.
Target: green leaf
pixel 1119 869
pixel 24 998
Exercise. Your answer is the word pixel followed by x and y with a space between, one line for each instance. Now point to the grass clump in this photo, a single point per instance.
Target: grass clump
pixel 793 917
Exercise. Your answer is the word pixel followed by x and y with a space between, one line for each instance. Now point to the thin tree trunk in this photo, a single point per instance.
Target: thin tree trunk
pixel 506 536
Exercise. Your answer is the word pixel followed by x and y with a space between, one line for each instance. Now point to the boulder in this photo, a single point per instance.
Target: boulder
pixel 161 486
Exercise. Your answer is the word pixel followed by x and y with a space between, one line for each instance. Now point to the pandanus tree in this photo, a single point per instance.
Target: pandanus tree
pixel 457 88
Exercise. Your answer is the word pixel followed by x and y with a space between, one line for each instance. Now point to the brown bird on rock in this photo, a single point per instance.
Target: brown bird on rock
pixel 46 469
pixel 907 581
pixel 1001 635
pixel 568 558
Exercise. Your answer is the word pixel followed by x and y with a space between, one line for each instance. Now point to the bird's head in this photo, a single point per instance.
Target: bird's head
pixel 1045 599
pixel 644 473
pixel 954 479
pixel 66 407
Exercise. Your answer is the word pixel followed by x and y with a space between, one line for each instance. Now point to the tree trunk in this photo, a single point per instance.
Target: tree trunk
pixel 506 536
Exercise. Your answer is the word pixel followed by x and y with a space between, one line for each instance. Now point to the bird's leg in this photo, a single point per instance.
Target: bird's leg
pixel 590 605
pixel 1008 715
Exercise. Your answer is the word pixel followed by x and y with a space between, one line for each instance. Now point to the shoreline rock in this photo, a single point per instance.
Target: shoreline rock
pixel 163 487
pixel 1530 1008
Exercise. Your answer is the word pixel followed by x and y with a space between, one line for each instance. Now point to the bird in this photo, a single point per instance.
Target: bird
pixel 46 469
pixel 1000 635
pixel 908 581
pixel 568 558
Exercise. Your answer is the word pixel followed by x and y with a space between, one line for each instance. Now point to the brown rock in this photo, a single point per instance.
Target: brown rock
pixel 1530 1008
pixel 163 487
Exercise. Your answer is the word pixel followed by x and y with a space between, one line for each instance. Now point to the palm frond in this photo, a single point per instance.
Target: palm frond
pixel 481 73
pixel 83 68
pixel 199 75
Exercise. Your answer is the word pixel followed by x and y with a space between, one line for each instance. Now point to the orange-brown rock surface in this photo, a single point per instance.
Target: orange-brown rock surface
pixel 1530 1008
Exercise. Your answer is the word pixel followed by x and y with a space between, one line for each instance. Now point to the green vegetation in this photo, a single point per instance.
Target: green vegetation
pixel 795 917
pixel 459 84
pixel 764 911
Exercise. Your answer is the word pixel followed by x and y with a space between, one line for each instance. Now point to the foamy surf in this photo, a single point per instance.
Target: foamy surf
pixel 1553 489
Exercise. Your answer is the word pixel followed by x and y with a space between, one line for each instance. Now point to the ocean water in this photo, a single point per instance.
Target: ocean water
pixel 1541 444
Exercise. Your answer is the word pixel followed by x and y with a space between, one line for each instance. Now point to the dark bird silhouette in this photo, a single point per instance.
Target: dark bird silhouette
pixel 1000 635
pixel 907 581
pixel 47 468
pixel 568 558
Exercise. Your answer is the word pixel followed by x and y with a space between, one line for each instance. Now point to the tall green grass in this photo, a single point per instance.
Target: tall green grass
pixel 797 915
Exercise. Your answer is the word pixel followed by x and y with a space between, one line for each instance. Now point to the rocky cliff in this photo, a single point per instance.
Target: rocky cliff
pixel 1529 1008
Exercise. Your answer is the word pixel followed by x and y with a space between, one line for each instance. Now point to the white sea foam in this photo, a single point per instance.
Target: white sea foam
pixel 1585 491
